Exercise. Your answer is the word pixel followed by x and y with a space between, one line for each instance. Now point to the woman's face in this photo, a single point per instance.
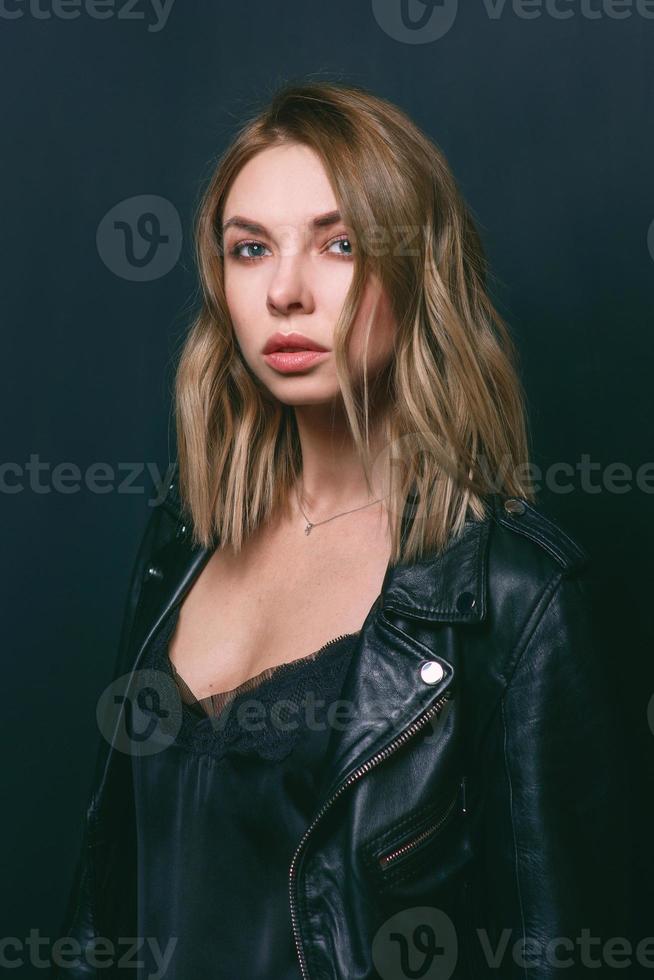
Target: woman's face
pixel 291 273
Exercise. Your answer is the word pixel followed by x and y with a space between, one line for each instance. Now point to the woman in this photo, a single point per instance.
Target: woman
pixel 377 739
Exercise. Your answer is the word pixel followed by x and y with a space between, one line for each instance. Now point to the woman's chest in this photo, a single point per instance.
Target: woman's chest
pixel 276 602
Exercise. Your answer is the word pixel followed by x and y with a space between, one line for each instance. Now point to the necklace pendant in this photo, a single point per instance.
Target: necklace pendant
pixel 307 529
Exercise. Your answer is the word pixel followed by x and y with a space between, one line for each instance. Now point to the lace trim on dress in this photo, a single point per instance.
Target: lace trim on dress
pixel 265 715
pixel 214 704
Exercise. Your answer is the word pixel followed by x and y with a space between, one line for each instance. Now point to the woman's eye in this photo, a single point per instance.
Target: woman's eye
pixel 342 241
pixel 252 248
pixel 257 250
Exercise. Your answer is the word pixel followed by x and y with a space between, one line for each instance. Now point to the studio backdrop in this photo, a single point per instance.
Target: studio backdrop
pixel 113 117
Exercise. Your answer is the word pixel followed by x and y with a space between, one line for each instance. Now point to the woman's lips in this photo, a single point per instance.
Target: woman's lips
pixel 288 362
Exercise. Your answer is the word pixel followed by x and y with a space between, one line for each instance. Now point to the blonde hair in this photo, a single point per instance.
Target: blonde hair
pixel 453 414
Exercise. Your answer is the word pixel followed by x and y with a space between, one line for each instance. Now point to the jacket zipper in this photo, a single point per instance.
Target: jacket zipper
pixel 390 856
pixel 435 709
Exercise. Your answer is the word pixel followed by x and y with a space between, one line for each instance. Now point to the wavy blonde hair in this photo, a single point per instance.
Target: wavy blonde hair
pixel 453 411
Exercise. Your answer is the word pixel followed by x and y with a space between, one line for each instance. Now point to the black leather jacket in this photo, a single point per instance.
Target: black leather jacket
pixel 475 798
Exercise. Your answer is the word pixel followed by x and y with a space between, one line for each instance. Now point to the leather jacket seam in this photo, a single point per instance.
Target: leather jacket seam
pixel 560 546
pixel 513 830
pixel 525 635
pixel 557 529
pixel 85 882
pixel 539 610
pixel 304 908
pixel 543 604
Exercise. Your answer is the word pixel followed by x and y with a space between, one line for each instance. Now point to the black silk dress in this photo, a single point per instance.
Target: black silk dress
pixel 221 805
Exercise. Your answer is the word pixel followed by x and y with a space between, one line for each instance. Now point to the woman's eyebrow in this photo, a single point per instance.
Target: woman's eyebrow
pixel 320 221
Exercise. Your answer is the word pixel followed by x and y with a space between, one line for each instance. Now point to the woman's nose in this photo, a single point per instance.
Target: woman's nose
pixel 289 289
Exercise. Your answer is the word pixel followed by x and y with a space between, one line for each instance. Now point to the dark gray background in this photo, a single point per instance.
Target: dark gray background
pixel 547 123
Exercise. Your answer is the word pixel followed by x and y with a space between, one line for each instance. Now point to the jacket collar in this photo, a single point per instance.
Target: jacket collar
pixel 447 587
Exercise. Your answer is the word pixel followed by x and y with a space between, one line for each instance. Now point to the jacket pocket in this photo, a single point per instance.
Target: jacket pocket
pixel 403 849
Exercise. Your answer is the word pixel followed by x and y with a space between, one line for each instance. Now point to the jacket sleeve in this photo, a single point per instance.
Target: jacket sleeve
pixel 554 885
pixel 77 922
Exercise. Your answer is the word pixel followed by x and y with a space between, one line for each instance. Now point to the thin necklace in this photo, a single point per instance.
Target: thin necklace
pixel 312 524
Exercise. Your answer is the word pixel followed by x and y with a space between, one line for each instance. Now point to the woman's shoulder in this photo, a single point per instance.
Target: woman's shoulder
pixel 533 563
pixel 526 537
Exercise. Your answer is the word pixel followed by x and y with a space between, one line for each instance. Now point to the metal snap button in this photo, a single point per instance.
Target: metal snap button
pixel 431 672
pixel 154 571
pixel 514 506
pixel 465 602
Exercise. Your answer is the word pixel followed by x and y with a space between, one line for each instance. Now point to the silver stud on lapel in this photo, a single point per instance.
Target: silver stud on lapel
pixel 181 531
pixel 431 672
pixel 154 571
pixel 514 506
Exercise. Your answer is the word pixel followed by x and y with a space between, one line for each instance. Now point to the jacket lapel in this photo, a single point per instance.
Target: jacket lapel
pixel 384 689
pixel 174 568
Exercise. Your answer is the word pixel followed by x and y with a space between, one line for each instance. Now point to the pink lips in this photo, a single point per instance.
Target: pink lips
pixel 290 352
pixel 288 362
